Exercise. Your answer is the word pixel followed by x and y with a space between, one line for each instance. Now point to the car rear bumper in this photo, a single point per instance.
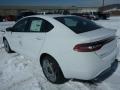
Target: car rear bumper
pixel 89 67
pixel 105 74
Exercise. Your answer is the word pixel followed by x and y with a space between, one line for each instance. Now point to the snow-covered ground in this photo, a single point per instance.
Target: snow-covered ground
pixel 113 23
pixel 20 73
pixel 3 26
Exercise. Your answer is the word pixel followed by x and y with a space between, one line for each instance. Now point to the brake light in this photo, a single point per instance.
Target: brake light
pixel 93 46
pixel 87 47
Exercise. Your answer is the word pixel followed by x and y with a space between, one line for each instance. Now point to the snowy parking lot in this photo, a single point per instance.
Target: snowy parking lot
pixel 4 25
pixel 21 73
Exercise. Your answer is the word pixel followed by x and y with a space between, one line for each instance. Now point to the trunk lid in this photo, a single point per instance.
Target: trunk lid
pixel 101 35
pixel 97 35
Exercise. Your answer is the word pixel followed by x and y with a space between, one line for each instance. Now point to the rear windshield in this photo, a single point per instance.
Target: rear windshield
pixel 78 24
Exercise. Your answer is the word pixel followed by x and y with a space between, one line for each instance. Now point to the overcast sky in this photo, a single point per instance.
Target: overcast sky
pixel 58 2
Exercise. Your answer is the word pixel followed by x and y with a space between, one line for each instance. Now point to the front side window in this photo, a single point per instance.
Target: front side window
pixel 77 24
pixel 21 25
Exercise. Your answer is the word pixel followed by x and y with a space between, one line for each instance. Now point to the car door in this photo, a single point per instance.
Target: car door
pixel 35 38
pixel 16 35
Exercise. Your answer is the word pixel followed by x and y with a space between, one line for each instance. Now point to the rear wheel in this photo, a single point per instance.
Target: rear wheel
pixel 52 70
pixel 6 46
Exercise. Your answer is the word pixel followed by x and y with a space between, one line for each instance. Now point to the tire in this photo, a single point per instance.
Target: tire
pixel 52 70
pixel 6 46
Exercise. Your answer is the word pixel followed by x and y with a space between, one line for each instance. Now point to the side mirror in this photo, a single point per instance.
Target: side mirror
pixel 10 29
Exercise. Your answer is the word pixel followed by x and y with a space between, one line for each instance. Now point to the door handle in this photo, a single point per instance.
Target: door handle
pixel 38 38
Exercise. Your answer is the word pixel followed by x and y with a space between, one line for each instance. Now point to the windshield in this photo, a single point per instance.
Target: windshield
pixel 78 24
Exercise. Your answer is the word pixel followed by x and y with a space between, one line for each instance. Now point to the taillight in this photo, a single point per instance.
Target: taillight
pixel 93 46
pixel 87 47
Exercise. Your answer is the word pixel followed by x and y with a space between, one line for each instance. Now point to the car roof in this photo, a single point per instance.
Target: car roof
pixel 49 16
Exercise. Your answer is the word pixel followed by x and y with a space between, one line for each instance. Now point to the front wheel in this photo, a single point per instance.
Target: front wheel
pixel 52 70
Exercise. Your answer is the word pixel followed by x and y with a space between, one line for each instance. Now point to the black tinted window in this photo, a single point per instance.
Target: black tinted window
pixel 20 26
pixel 46 27
pixel 77 24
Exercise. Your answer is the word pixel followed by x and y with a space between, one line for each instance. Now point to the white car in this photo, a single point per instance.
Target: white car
pixel 66 46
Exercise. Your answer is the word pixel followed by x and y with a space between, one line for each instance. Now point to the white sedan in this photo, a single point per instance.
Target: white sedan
pixel 66 46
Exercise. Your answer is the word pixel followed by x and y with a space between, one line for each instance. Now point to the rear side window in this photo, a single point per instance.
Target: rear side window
pixel 77 24
pixel 36 25
pixel 46 26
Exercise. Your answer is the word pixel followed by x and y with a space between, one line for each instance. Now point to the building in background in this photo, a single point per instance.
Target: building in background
pixel 13 10
pixel 113 9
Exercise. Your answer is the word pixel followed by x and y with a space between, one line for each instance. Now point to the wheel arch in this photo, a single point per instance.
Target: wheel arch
pixel 55 58
pixel 42 56
pixel 46 54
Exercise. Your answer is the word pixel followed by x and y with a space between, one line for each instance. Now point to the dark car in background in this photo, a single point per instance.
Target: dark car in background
pixel 86 15
pixel 103 15
pixel 7 18
pixel 93 15
pixel 10 18
pixel 1 18
pixel 24 14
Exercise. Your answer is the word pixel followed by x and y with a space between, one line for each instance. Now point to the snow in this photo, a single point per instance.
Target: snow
pixel 112 23
pixel 18 72
pixel 3 26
